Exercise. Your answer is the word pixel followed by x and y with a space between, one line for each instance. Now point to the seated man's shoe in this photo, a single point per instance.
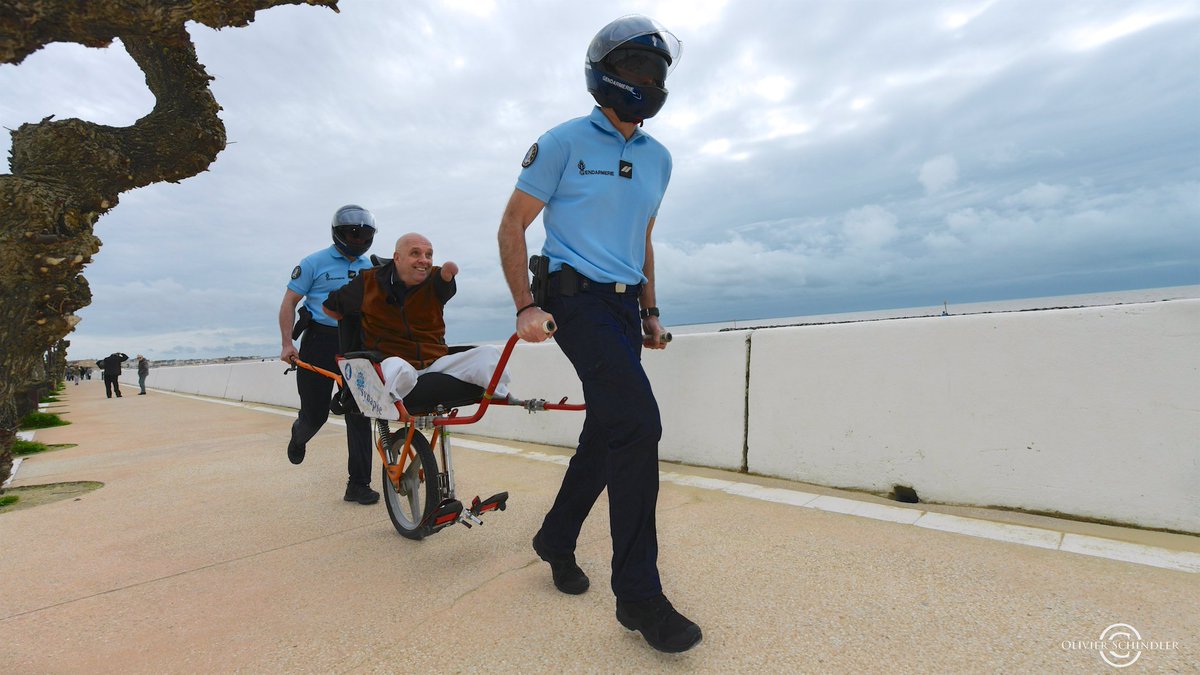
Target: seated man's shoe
pixel 568 578
pixel 664 628
pixel 360 493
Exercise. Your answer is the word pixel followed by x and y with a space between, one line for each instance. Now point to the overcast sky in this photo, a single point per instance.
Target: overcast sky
pixel 830 155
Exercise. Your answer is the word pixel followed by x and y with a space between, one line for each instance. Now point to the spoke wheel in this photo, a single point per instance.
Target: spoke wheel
pixel 418 493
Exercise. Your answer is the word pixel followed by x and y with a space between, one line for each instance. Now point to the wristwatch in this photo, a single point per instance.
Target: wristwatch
pixel 648 312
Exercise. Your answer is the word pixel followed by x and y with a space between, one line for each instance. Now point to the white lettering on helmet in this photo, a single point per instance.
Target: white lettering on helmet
pixel 619 85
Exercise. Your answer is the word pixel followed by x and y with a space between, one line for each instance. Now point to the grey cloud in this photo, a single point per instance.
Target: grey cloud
pixel 1074 169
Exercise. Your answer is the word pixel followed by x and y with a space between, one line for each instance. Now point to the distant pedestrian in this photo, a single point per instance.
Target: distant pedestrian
pixel 111 366
pixel 143 371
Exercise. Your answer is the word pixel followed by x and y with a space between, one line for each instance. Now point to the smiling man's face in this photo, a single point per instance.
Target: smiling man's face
pixel 414 259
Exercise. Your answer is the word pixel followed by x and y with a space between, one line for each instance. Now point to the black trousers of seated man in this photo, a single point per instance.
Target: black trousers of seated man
pixel 319 347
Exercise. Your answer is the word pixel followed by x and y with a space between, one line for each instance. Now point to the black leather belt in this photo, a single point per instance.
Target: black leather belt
pixel 567 281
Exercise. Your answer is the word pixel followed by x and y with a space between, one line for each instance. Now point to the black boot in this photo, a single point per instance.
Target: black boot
pixel 360 493
pixel 664 628
pixel 568 578
pixel 295 448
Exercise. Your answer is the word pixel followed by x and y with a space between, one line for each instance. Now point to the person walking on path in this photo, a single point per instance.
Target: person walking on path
pixel 143 370
pixel 598 181
pixel 111 366
pixel 319 274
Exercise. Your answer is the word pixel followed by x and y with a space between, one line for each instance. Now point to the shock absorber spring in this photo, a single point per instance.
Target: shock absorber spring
pixel 385 434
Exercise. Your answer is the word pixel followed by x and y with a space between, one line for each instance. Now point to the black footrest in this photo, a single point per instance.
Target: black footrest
pixel 497 502
pixel 445 514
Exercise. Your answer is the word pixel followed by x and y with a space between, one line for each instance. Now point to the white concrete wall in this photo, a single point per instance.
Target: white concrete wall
pixel 1091 412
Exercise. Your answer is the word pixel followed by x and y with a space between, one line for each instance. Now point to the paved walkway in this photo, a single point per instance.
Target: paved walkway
pixel 206 551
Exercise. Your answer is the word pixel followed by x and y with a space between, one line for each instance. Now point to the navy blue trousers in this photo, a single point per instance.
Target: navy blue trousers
pixel 600 333
pixel 320 348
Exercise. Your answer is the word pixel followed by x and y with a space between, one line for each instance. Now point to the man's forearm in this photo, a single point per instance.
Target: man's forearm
pixel 648 297
pixel 287 321
pixel 513 257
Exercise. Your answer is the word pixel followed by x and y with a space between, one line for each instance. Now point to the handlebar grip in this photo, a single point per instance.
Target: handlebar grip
pixel 548 326
pixel 649 339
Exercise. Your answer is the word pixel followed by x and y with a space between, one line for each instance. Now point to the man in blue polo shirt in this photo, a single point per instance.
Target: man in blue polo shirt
pixel 316 276
pixel 598 182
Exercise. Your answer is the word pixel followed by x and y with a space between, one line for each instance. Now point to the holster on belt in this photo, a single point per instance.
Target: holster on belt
pixel 539 265
pixel 302 323
pixel 568 281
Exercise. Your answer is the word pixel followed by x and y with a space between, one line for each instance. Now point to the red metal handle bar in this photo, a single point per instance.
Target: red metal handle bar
pixel 488 399
pixel 487 394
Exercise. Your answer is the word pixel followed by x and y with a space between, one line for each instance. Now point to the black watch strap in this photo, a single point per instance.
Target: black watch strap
pixel 648 312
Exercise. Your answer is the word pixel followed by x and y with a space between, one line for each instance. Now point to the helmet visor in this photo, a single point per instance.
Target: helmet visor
pixel 355 234
pixel 634 26
pixel 354 217
pixel 638 66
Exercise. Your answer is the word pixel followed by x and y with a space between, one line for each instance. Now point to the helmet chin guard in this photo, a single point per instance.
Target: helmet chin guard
pixel 627 65
pixel 632 103
pixel 353 229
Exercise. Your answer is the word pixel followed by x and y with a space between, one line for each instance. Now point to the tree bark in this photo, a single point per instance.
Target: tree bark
pixel 67 173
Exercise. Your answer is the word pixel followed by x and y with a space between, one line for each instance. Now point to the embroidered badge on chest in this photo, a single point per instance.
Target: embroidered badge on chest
pixel 626 169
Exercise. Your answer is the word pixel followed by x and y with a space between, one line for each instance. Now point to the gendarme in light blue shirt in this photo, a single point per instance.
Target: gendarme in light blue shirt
pixel 320 274
pixel 595 216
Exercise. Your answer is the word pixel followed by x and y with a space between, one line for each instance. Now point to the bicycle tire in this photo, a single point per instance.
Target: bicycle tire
pixel 420 485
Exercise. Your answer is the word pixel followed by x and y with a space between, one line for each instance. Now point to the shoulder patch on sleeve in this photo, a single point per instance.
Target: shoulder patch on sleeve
pixel 530 156
pixel 296 272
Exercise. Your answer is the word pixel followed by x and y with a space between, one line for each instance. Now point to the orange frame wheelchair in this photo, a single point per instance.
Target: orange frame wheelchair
pixel 418 484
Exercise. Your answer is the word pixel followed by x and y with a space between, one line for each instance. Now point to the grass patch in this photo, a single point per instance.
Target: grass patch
pixel 40 420
pixel 36 495
pixel 9 499
pixel 21 448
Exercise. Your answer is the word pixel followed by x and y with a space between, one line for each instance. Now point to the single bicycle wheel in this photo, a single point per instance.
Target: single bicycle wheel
pixel 418 494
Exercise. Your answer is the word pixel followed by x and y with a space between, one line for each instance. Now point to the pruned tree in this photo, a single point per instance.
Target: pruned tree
pixel 67 173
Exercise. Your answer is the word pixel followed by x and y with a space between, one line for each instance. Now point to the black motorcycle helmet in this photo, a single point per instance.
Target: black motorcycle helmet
pixel 627 65
pixel 353 230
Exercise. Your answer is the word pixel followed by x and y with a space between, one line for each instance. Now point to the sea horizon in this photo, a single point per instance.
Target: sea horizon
pixel 953 309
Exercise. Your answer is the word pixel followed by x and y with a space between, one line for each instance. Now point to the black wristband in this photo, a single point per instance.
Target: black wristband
pixel 648 312
pixel 532 304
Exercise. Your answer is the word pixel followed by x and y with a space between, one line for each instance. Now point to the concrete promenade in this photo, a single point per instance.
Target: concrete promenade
pixel 206 551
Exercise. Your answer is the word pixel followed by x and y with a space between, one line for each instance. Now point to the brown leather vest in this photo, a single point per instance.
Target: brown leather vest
pixel 414 331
